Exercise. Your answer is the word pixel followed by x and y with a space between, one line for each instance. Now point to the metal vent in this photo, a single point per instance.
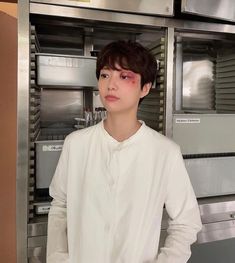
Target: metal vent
pixel 225 83
pixel 34 112
pixel 151 110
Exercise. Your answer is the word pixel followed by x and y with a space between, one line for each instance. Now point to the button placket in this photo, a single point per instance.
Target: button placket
pixel 113 174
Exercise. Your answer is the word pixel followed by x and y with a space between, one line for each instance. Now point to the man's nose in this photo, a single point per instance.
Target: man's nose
pixel 112 84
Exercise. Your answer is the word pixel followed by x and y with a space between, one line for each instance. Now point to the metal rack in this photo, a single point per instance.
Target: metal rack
pixel 225 87
pixel 31 234
pixel 34 120
pixel 152 109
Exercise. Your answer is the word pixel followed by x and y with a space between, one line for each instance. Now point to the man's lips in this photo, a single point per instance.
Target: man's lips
pixel 111 98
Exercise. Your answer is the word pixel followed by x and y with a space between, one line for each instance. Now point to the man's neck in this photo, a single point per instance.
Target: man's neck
pixel 121 127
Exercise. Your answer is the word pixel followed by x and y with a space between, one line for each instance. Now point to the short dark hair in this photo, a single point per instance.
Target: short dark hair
pixel 128 55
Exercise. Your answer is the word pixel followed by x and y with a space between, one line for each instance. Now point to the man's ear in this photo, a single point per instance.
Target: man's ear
pixel 145 90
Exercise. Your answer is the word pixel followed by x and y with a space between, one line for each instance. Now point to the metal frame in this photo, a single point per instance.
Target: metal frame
pixel 162 7
pixel 24 9
pixel 131 19
pixel 169 81
pixel 22 131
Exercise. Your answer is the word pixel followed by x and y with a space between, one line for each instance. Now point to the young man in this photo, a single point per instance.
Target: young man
pixel 114 178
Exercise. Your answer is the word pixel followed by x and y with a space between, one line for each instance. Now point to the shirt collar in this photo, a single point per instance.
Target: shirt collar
pixel 114 143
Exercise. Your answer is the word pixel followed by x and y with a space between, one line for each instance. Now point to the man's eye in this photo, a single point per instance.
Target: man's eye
pixel 103 75
pixel 124 76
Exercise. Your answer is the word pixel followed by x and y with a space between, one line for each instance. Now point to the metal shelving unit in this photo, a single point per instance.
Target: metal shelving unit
pixel 157 109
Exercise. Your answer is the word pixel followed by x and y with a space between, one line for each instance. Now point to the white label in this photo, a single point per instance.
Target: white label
pixel 187 120
pixel 43 209
pixel 52 148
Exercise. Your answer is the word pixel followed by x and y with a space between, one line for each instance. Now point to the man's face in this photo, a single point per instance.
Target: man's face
pixel 120 90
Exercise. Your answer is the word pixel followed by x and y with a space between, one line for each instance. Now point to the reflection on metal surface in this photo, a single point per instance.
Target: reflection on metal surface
pixel 160 7
pixel 37 249
pixel 47 156
pixel 169 81
pixel 198 72
pixel 212 176
pixel 37 254
pixel 37 229
pixel 178 72
pixel 211 232
pixel 217 231
pixel 216 218
pixel 60 107
pixel 131 19
pixel 204 133
pixel 222 9
pixel 217 212
pixel 37 241
pixel 198 89
pixel 62 70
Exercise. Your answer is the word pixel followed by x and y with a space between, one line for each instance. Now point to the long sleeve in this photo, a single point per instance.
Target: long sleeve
pixel 57 244
pixel 184 222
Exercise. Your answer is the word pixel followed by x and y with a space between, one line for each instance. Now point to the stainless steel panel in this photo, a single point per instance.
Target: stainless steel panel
pixel 22 130
pixel 210 232
pixel 178 73
pixel 212 176
pixel 37 255
pixel 61 70
pixel 60 107
pixel 47 156
pixel 37 241
pixel 198 89
pixel 36 252
pixel 217 231
pixel 217 218
pixel 37 229
pixel 222 9
pixel 169 81
pixel 160 7
pixel 217 211
pixel 204 133
pixel 37 249
pixel 196 66
pixel 131 19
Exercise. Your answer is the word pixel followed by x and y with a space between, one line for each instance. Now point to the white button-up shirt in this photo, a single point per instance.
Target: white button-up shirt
pixel 108 199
